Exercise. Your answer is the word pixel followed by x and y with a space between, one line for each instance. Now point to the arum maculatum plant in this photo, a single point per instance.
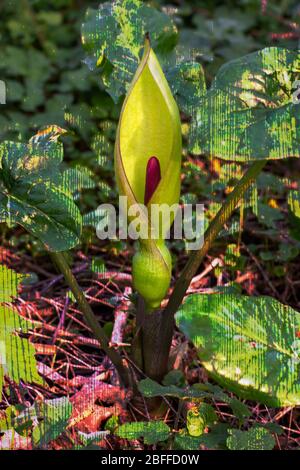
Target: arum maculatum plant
pixel 148 165
pixel 250 345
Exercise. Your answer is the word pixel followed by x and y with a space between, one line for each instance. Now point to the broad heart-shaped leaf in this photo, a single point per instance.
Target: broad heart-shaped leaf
pixel 32 192
pixel 250 111
pixel 113 37
pixel 151 431
pixel 17 355
pixel 249 345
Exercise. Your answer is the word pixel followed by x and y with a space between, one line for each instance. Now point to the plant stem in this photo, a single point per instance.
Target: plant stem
pixel 62 264
pixel 196 258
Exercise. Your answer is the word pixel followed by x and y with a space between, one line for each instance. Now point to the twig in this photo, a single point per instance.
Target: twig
pixel 60 261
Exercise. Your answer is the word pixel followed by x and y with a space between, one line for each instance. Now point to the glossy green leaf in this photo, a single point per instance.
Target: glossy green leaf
pixel 151 431
pixel 249 345
pixel 32 192
pixel 250 111
pixel 256 438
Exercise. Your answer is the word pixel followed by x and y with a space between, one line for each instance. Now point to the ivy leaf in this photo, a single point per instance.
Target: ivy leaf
pixel 249 345
pixel 32 193
pixel 152 431
pixel 17 355
pixel 250 112
pixel 256 438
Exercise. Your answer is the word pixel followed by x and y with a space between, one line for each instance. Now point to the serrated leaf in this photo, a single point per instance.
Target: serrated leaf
pixel 152 431
pixel 250 113
pixel 249 345
pixel 256 438
pixel 31 191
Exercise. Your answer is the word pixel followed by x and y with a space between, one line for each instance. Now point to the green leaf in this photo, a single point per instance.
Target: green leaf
pixel 149 388
pixel 256 438
pixel 32 192
pixel 187 82
pixel 294 202
pixel 98 266
pixel 54 416
pixel 17 355
pixel 215 439
pixel 267 215
pixel 152 431
pixel 250 112
pixel 174 377
pixel 113 37
pixel 76 179
pixel 249 345
pixel 93 437
pixel 9 282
